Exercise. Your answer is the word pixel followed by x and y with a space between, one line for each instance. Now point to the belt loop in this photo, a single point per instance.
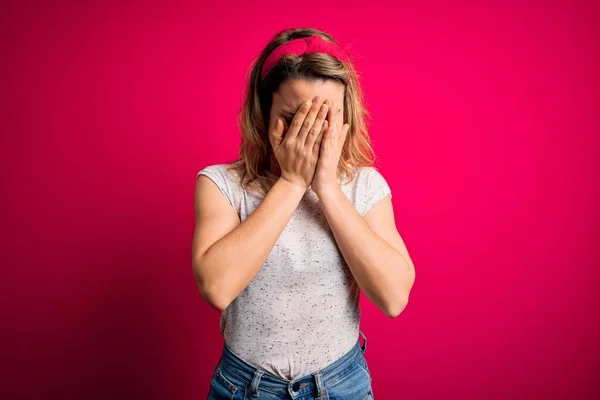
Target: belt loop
pixel 254 384
pixel 321 391
pixel 364 345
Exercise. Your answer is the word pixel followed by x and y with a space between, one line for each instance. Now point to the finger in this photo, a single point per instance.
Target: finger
pixel 309 120
pixel 331 116
pixel 335 135
pixel 319 140
pixel 326 142
pixel 336 120
pixel 277 133
pixel 317 126
pixel 298 120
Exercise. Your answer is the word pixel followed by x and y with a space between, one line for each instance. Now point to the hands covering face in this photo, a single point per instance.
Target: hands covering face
pixel 309 152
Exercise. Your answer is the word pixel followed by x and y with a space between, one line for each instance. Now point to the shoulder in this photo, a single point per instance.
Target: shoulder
pixel 225 170
pixel 372 187
pixel 223 174
pixel 368 175
pixel 226 177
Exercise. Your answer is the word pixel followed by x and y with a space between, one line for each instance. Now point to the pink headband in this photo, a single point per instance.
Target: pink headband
pixel 306 45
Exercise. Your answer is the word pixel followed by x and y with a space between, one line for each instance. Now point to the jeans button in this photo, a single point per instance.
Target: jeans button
pixel 296 386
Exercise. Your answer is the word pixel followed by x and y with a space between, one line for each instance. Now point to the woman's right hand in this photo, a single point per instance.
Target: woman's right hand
pixel 298 152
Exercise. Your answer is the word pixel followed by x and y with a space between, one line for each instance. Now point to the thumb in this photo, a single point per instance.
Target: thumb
pixel 325 144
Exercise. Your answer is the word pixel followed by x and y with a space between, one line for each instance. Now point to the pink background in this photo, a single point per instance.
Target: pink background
pixel 486 126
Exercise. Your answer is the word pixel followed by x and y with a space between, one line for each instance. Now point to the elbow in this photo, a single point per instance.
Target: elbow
pixel 209 289
pixel 396 309
pixel 213 297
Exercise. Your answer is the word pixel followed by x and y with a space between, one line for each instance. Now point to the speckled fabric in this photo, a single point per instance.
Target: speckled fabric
pixel 301 311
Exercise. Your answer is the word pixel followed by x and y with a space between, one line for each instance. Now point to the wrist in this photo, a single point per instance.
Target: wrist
pixel 294 187
pixel 328 191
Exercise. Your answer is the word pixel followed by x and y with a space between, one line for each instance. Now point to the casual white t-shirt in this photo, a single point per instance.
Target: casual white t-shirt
pixel 301 311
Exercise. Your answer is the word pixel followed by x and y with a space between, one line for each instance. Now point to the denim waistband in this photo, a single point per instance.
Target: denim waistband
pixel 315 381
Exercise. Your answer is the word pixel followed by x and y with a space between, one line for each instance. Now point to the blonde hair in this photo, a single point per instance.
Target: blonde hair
pixel 253 118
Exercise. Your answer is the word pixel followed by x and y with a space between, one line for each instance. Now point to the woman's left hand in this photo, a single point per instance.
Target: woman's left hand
pixel 331 149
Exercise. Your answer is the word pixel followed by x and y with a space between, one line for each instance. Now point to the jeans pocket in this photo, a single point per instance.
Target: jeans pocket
pixel 362 362
pixel 222 387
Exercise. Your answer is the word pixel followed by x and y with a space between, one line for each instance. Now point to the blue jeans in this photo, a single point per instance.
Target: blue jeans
pixel 347 378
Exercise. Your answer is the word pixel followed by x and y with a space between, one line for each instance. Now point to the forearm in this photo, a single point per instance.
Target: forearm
pixel 380 270
pixel 236 258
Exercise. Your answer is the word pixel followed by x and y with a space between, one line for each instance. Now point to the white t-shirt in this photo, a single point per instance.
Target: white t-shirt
pixel 301 311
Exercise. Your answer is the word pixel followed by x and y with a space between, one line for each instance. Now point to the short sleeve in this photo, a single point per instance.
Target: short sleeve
pixel 218 175
pixel 377 189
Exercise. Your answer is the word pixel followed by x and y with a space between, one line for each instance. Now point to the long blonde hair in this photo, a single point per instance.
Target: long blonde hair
pixel 253 117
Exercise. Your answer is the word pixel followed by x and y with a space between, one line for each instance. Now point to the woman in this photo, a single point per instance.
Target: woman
pixel 288 235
